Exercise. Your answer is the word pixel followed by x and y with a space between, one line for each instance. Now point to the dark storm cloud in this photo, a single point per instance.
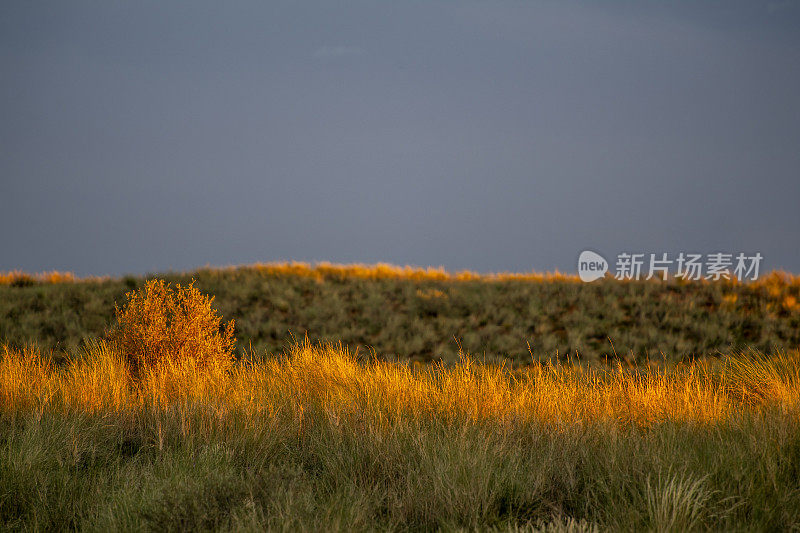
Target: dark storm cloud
pixel 492 136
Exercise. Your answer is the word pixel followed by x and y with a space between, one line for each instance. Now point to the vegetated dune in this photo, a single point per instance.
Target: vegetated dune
pixel 428 314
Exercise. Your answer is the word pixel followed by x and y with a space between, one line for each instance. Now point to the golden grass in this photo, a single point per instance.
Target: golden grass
pixel 17 276
pixel 774 282
pixel 326 270
pixel 329 380
pixel 323 270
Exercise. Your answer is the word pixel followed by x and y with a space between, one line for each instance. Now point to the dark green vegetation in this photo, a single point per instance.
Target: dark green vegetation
pixel 106 474
pixel 424 319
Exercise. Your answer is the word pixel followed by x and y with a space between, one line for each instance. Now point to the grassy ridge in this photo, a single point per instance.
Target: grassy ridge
pixel 318 440
pixel 422 313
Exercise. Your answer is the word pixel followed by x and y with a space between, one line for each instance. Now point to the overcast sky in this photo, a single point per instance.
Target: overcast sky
pixel 148 136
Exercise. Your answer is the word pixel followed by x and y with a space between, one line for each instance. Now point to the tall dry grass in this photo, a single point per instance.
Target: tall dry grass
pixel 329 379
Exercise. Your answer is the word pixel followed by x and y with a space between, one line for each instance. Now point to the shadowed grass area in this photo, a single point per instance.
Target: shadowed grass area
pixel 423 314
pixel 322 439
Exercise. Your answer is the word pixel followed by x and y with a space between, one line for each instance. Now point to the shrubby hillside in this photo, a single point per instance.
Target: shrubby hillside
pixel 425 314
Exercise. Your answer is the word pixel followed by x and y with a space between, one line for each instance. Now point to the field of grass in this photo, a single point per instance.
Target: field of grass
pixel 144 418
pixel 424 314
pixel 320 439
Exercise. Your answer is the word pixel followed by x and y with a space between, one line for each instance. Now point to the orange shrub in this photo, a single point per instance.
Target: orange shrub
pixel 162 326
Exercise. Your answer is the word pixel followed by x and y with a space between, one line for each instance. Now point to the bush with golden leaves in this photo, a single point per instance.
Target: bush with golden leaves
pixel 161 325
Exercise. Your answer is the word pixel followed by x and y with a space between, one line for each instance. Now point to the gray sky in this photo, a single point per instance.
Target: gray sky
pixel 147 136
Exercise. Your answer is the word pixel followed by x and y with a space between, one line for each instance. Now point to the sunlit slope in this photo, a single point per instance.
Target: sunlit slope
pixel 424 313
